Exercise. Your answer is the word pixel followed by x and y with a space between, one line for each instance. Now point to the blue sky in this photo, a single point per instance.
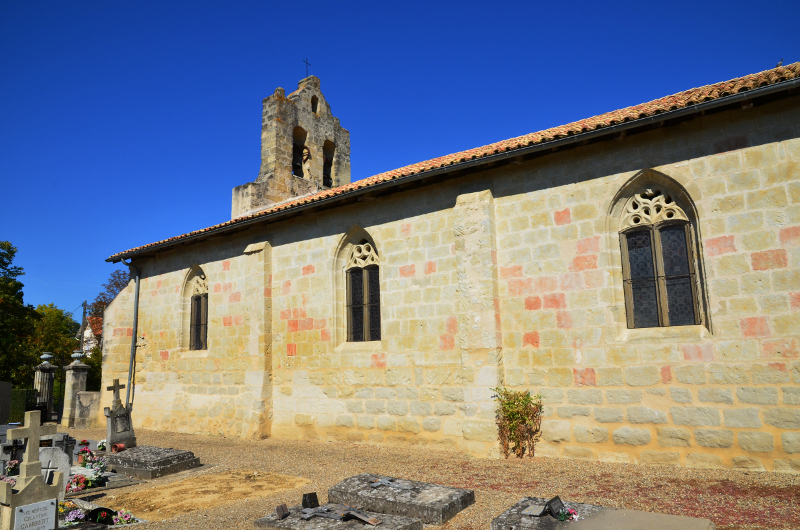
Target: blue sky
pixel 126 122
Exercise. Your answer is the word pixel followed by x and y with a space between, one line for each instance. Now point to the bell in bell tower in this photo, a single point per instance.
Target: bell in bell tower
pixel 303 150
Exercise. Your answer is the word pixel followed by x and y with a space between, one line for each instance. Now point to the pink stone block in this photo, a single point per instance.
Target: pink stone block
pixel 720 245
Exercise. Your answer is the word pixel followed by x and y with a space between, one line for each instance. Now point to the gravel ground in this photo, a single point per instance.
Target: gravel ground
pixel 731 499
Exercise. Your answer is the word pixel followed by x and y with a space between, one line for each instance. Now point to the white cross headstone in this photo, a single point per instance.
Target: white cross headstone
pixel 32 503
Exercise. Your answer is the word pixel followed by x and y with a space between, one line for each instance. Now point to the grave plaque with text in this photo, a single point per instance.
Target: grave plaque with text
pixel 36 516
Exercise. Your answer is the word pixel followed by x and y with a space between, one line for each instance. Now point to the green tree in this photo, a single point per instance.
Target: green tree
pixel 16 321
pixel 54 332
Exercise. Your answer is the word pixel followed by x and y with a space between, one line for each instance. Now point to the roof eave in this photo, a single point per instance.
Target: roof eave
pixel 695 109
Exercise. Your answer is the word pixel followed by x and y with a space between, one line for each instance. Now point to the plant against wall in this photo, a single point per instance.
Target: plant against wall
pixel 519 421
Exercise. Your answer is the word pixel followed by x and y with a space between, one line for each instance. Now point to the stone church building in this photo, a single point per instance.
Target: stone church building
pixel 639 269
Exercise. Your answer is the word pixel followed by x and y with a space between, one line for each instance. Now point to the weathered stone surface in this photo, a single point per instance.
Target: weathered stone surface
pixel 608 415
pixel 680 395
pixel 556 431
pixel 585 397
pixel 784 418
pixel 618 396
pixel 631 436
pixel 660 457
pixel 580 453
pixel 695 416
pixel 646 415
pixel 714 438
pixel 704 460
pixel 691 374
pixel 569 412
pixel 742 418
pixel 756 442
pixel 787 466
pixel 594 517
pixel 148 462
pixel 584 434
pixel 430 503
pixel 294 521
pixel 790 441
pixel 672 437
pixel 748 462
pixel 791 395
pixel 642 375
pixel 758 395
pixel 715 395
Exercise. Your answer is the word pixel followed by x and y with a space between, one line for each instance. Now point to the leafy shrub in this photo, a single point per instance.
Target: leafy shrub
pixel 519 421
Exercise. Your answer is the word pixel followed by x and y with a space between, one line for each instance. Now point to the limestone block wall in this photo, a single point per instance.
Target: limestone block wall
pixel 223 390
pixel 513 277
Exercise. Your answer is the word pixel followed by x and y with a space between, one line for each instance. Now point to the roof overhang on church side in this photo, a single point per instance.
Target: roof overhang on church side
pixel 684 105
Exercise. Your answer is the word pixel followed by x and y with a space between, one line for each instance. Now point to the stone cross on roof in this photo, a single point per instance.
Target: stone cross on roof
pixel 32 432
pixel 116 387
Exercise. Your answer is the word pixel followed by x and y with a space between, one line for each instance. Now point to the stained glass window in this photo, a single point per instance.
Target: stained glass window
pixel 363 304
pixel 198 322
pixel 659 277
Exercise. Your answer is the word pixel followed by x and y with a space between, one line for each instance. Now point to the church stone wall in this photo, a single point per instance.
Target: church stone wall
pixel 507 277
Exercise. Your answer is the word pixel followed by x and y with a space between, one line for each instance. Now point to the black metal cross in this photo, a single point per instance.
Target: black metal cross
pixel 307 65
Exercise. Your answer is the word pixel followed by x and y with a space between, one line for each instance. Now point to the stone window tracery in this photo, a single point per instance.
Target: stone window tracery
pixel 658 262
pixel 363 294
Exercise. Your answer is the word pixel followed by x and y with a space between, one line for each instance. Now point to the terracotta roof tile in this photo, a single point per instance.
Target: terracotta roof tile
pixel 643 110
pixel 96 323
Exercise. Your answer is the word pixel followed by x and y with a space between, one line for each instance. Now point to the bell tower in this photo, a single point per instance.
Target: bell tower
pixel 303 150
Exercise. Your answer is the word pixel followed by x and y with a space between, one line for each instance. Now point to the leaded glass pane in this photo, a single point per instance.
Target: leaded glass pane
pixel 640 255
pixel 356 304
pixel 374 283
pixel 357 323
pixel 375 322
pixel 645 304
pixel 356 286
pixel 674 251
pixel 680 301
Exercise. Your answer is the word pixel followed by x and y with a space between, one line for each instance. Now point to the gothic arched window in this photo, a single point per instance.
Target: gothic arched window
pixel 198 318
pixel 658 263
pixel 363 294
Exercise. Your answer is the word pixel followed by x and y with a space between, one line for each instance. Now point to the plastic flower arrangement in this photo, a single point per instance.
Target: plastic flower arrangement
pixel 85 451
pixel 10 480
pixel 11 466
pixel 77 483
pixel 65 507
pixel 123 517
pixel 101 445
pixel 567 514
pixel 84 442
pixel 74 517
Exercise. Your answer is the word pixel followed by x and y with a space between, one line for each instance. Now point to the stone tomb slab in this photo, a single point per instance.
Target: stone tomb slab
pixel 294 521
pixel 594 517
pixel 430 503
pixel 147 462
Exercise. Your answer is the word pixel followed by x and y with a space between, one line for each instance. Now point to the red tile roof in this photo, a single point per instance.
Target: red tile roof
pixel 96 323
pixel 677 101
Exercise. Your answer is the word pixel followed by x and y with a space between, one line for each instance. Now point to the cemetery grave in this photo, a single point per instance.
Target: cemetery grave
pixel 430 503
pixel 327 517
pixel 200 492
pixel 524 516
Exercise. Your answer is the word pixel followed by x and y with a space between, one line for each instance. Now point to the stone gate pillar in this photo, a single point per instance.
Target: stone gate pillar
pixel 75 374
pixel 43 384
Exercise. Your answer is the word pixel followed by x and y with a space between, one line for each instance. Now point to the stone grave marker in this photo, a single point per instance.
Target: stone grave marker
pixel 63 441
pixel 146 462
pixel 54 460
pixel 593 517
pixel 333 516
pixel 430 503
pixel 119 427
pixel 32 503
